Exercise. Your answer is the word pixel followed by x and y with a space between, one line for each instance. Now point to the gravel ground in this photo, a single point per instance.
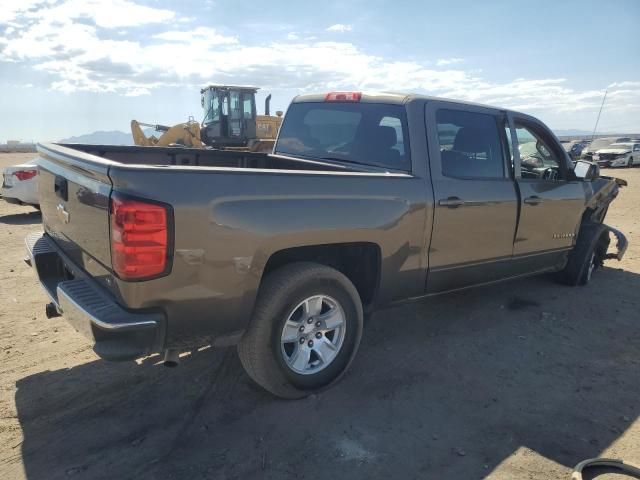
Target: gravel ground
pixel 518 380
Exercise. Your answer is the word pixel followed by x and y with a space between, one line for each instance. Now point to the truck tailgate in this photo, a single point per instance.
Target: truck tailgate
pixel 74 190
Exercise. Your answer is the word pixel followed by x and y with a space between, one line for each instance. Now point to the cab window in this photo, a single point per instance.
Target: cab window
pixel 247 107
pixel 366 133
pixel 470 144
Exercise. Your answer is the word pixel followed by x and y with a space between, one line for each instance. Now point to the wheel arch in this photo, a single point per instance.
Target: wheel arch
pixel 360 262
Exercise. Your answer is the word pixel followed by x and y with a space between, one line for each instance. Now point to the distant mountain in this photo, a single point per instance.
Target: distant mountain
pixel 114 137
pixel 571 133
pixel 576 134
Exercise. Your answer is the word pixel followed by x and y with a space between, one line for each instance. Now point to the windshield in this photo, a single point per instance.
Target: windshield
pixel 598 144
pixel 366 133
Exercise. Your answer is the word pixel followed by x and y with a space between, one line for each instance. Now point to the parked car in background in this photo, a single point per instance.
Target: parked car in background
pixel 623 154
pixel 599 143
pixel 19 184
pixel 574 148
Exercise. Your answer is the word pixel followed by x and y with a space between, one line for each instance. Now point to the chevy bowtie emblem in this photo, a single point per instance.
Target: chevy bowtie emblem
pixel 63 215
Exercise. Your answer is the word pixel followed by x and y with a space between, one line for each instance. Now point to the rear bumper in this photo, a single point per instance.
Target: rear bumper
pixel 116 333
pixel 21 193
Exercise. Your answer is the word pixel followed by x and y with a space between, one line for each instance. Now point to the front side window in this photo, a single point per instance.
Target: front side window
pixel 537 157
pixel 636 147
pixel 365 133
pixel 470 144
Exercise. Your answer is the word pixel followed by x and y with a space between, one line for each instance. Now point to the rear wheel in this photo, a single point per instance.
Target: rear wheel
pixel 305 330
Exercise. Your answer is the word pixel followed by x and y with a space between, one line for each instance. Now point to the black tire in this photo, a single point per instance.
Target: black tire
pixel 630 163
pixel 591 248
pixel 260 349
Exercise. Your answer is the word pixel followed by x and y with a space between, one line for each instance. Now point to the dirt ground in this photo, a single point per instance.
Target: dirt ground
pixel 518 380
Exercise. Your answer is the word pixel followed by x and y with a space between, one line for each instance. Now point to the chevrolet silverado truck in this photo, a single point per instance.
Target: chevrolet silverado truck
pixel 366 200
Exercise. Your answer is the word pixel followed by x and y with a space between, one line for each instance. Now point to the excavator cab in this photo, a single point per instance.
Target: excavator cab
pixel 230 123
pixel 229 115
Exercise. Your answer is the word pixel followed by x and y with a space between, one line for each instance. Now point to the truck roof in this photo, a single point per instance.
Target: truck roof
pixel 398 98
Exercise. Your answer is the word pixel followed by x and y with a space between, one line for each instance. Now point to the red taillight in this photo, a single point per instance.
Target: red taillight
pixel 25 174
pixel 139 238
pixel 343 97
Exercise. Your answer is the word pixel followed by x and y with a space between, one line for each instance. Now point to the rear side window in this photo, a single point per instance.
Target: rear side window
pixel 365 133
pixel 470 144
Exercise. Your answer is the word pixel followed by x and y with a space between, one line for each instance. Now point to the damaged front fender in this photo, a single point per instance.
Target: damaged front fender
pixel 601 192
pixel 621 244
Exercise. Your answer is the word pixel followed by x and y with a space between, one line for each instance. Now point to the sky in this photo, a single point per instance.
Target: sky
pixel 69 67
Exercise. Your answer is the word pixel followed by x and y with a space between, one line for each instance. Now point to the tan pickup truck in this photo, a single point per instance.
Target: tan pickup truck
pixel 366 200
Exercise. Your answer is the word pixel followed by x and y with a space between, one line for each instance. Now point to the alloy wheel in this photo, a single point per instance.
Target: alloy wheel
pixel 313 334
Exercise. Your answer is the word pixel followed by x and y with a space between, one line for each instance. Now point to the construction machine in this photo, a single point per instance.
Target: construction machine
pixel 185 134
pixel 230 122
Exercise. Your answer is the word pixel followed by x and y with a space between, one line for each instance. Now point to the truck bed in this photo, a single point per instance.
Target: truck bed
pixel 166 156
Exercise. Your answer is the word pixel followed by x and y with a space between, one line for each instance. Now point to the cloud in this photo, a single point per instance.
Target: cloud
pixel 442 62
pixel 339 27
pixel 77 45
pixel 624 84
pixel 112 14
pixel 12 10
pixel 206 35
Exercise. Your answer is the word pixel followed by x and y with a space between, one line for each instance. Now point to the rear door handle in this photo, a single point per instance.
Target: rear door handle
pixel 451 202
pixel 533 200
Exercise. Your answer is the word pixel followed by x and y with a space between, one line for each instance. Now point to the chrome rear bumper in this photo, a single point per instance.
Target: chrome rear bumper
pixel 116 333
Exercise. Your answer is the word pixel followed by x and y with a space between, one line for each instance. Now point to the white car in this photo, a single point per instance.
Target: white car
pixel 623 154
pixel 20 185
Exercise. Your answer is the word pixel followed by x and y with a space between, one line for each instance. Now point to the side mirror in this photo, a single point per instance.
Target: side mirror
pixel 586 170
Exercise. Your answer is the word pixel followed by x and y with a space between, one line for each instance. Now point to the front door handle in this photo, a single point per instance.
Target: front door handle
pixel 533 200
pixel 451 202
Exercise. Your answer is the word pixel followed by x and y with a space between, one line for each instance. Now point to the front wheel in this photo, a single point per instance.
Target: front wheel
pixel 305 330
pixel 630 162
pixel 587 255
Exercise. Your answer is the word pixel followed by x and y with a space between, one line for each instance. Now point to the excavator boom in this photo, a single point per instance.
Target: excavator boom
pixel 184 134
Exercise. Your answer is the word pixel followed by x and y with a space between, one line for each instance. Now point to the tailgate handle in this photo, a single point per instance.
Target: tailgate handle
pixel 60 187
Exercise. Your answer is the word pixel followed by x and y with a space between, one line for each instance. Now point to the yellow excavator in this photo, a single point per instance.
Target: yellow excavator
pixel 230 122
pixel 184 134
